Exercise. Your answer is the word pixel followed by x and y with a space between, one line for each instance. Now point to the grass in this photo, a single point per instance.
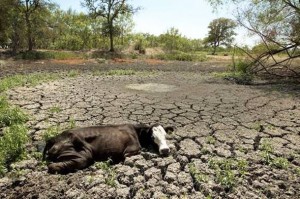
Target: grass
pixel 53 131
pixel 120 72
pixel 73 73
pixel 196 174
pixel 210 140
pixel 55 109
pixel 110 178
pixel 12 145
pixel 32 79
pixel 280 163
pixel 228 171
pixel 267 151
pixel 239 72
pixel 10 115
pixel 29 80
pixel 116 72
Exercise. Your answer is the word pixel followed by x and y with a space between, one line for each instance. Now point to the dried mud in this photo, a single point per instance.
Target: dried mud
pixel 215 122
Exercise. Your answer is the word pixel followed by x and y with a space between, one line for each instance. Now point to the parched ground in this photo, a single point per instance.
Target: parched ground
pixel 231 141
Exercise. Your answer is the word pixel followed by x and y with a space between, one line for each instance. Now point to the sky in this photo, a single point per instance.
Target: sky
pixel 190 17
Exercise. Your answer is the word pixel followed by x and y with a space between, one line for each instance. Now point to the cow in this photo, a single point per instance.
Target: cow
pixel 79 148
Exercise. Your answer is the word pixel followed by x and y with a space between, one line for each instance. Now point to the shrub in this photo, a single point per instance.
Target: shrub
pixel 12 145
pixel 10 115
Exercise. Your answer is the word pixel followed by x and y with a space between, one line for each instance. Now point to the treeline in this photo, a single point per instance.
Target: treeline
pixel 25 25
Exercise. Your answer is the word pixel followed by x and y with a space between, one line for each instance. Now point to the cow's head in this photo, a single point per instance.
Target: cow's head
pixel 158 135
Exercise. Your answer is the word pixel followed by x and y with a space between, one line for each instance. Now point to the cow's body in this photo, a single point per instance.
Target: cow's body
pixel 78 148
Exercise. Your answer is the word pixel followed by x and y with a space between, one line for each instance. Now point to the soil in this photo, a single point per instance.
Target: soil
pixel 215 120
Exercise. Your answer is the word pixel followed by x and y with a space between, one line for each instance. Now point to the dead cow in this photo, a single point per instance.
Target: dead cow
pixel 78 148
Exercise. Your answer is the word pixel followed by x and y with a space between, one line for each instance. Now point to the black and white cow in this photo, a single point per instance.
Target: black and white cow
pixel 78 148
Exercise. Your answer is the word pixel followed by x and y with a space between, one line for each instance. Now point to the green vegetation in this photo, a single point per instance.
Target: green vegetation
pixel 238 72
pixel 119 72
pixel 267 151
pixel 210 140
pixel 55 109
pixel 72 73
pixel 53 131
pixel 110 178
pixel 221 32
pixel 30 79
pixel 297 171
pixel 196 174
pixel 14 138
pixel 280 163
pixel 10 115
pixel 228 171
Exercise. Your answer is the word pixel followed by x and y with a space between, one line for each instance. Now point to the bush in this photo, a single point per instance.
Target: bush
pixel 14 134
pixel 10 115
pixel 139 46
pixel 12 145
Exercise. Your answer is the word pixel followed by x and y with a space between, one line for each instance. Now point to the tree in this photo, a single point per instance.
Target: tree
pixel 110 10
pixel 221 32
pixel 171 39
pixel 277 23
pixel 28 9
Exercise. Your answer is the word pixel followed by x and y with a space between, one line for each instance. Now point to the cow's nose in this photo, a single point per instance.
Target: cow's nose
pixel 165 151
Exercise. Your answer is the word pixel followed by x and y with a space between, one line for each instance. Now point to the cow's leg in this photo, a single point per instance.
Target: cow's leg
pixel 131 150
pixel 72 160
pixel 70 165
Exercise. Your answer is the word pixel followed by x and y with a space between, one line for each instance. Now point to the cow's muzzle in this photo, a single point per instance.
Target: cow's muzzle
pixel 164 151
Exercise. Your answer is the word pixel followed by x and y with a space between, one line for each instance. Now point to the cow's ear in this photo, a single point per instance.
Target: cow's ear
pixel 76 141
pixel 169 129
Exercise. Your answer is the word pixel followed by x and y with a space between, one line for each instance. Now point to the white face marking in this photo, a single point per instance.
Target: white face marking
pixel 159 134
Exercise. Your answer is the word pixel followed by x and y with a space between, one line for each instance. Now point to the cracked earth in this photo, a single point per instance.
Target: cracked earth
pixel 219 127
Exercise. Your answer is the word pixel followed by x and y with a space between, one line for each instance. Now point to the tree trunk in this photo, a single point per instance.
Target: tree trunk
pixel 29 33
pixel 214 49
pixel 111 37
pixel 15 37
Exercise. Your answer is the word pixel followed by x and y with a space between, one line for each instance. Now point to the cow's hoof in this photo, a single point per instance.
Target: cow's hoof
pixel 53 168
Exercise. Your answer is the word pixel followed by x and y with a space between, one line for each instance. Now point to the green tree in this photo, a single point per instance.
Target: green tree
pixel 171 39
pixel 28 8
pixel 110 10
pixel 268 20
pixel 221 32
pixel 125 25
